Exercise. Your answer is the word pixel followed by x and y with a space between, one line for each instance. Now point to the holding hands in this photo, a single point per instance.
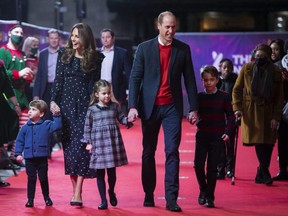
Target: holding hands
pixel 192 117
pixel 89 147
pixel 54 108
pixel 132 115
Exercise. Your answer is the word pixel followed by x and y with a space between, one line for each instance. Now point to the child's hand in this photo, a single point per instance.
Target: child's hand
pixel 225 138
pixel 192 117
pixel 56 111
pixel 19 158
pixel 89 147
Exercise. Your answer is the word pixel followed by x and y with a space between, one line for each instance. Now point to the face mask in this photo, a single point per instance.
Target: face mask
pixel 260 61
pixel 34 50
pixel 16 39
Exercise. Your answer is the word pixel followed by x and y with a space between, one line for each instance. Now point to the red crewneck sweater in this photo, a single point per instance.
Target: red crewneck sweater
pixel 164 95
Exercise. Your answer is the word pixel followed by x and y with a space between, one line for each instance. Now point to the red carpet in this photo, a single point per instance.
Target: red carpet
pixel 244 198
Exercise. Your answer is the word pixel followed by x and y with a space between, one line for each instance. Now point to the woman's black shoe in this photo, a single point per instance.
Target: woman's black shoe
pixel 113 199
pixel 73 203
pixel 103 206
pixel 30 204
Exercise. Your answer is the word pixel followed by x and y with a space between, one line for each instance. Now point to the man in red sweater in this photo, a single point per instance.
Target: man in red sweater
pixel 155 93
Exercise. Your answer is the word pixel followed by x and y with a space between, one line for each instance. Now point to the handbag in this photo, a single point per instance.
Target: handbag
pixel 285 113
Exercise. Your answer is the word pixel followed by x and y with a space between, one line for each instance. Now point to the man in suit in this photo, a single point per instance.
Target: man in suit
pixel 46 75
pixel 155 93
pixel 47 69
pixel 116 67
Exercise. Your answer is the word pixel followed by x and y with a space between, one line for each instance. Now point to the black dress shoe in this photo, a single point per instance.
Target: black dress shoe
pixel 173 206
pixel 210 203
pixel 229 174
pixel 281 176
pixel 103 206
pixel 202 199
pixel 113 199
pixel 48 201
pixel 149 201
pixel 30 204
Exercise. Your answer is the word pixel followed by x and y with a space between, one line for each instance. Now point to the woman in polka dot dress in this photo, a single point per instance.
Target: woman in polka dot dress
pixel 78 68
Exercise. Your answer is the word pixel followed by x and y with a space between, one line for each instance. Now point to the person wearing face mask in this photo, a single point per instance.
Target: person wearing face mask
pixel 30 48
pixel 19 74
pixel 257 99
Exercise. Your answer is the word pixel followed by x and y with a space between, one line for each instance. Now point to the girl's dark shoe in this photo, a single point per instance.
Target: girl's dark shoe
pixel 113 199
pixel 30 204
pixel 103 206
pixel 149 200
pixel 48 201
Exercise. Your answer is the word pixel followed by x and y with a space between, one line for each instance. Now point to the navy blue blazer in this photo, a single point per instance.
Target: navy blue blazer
pixel 121 69
pixel 42 74
pixel 145 77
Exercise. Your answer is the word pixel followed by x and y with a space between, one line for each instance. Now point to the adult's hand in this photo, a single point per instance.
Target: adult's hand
pixel 26 74
pixel 54 108
pixel 132 115
pixel 238 114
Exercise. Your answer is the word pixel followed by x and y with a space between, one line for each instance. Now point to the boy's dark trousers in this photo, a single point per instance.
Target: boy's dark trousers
pixel 210 149
pixel 33 166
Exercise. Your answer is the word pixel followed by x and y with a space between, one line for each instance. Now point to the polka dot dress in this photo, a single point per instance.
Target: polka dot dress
pixel 71 93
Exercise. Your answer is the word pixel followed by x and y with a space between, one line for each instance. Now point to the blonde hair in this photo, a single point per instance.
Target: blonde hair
pixel 28 43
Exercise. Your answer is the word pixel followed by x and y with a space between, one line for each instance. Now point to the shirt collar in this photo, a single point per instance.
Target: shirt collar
pixel 160 42
pixel 215 90
pixel 50 51
pixel 110 50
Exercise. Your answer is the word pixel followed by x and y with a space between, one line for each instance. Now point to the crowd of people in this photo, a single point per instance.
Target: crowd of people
pixel 86 90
